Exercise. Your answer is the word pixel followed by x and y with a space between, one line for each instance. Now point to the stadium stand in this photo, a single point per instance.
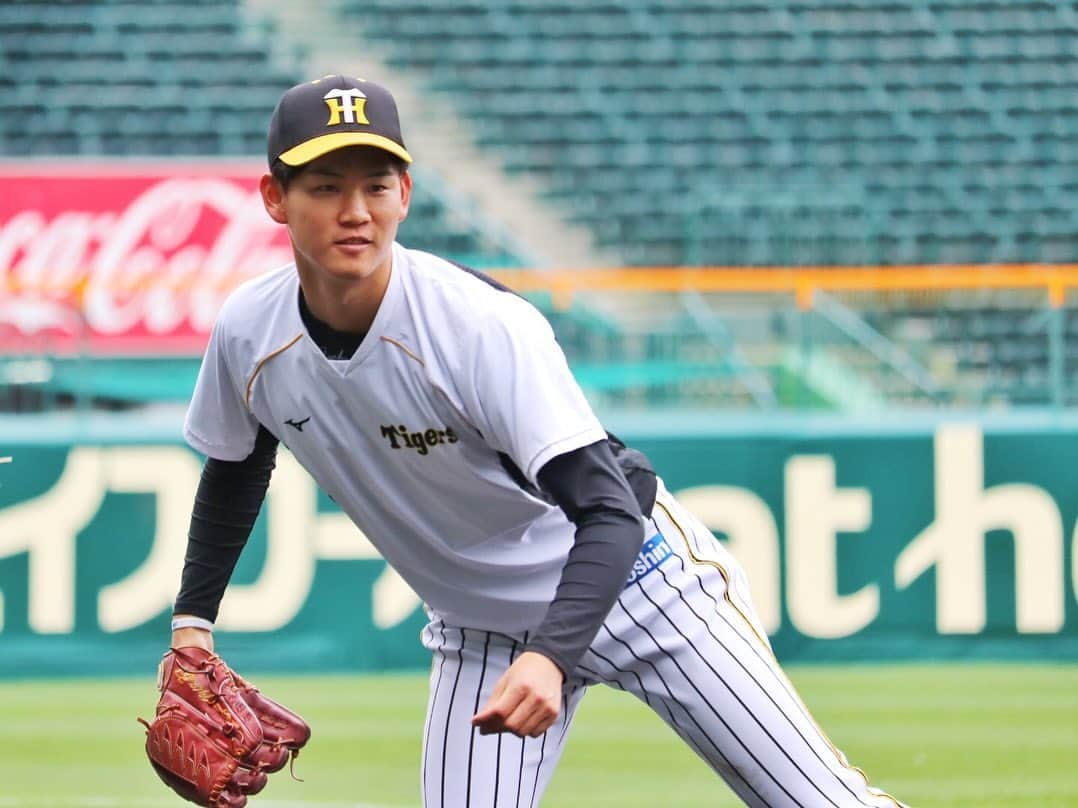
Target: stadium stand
pixel 800 132
pixel 118 78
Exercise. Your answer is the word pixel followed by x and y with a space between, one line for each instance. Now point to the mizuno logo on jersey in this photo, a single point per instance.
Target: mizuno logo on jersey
pixel 400 437
pixel 298 425
pixel 654 552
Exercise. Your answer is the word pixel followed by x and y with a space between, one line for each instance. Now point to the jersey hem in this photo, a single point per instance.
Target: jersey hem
pixel 213 450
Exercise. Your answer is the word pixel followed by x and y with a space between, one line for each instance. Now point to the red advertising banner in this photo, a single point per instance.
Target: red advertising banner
pixel 127 258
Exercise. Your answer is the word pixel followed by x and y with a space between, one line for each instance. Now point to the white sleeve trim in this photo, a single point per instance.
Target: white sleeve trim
pixel 213 450
pixel 560 447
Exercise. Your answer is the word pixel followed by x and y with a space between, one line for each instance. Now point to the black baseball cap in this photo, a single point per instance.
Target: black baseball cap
pixel 332 112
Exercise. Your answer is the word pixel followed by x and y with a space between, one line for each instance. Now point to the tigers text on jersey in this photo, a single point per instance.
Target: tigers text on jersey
pixel 406 435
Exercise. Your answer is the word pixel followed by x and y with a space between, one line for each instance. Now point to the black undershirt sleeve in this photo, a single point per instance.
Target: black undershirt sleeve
pixel 591 488
pixel 229 497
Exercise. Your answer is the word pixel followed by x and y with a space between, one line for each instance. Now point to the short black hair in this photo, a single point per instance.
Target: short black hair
pixel 286 174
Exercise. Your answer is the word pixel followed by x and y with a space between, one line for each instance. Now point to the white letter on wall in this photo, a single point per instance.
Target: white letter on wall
pixel 954 542
pixel 47 526
pixel 815 512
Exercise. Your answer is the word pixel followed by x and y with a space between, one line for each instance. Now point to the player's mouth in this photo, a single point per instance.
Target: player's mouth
pixel 353 245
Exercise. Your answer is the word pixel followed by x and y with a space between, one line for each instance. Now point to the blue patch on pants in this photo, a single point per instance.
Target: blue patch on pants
pixel 654 552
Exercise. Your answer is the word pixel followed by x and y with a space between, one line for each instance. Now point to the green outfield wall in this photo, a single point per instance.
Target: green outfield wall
pixel 898 538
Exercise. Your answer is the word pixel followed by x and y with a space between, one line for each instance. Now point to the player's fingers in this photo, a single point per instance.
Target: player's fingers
pixel 533 717
pixel 525 700
pixel 521 718
pixel 543 719
pixel 518 712
pixel 498 708
pixel 489 721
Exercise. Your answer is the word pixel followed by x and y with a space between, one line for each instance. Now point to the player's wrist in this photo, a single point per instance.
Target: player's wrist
pixel 191 631
pixel 191 621
pixel 547 657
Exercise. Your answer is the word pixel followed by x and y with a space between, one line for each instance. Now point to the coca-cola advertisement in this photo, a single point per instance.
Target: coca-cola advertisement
pixel 127 258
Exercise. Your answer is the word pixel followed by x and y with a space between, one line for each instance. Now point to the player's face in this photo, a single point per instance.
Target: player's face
pixel 343 212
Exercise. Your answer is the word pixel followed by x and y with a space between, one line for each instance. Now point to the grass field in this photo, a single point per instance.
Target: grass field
pixel 943 735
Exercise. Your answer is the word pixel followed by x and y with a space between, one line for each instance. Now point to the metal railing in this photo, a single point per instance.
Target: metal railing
pixel 850 326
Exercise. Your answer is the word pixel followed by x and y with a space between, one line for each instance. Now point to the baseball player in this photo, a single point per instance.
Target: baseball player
pixel 436 408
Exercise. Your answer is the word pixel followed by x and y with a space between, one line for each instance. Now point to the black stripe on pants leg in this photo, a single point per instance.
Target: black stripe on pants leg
pixel 520 771
pixel 670 693
pixel 565 718
pixel 767 664
pixel 449 712
pixel 497 770
pixel 433 703
pixel 683 733
pixel 498 754
pixel 471 738
pixel 781 748
pixel 538 769
pixel 715 712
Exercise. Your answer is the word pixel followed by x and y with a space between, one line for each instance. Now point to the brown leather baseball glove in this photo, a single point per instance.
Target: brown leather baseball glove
pixel 214 737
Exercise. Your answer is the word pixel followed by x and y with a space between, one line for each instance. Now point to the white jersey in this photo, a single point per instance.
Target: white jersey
pixel 406 435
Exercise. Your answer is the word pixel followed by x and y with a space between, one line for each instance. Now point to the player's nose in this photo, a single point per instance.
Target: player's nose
pixel 354 208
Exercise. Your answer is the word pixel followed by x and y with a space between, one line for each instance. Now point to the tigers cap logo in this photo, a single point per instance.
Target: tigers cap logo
pixel 345 105
pixel 360 113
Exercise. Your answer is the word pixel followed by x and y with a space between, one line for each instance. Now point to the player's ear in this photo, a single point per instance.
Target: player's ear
pixel 273 198
pixel 406 194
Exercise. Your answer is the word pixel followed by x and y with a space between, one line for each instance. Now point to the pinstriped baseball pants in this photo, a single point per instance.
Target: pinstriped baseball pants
pixel 684 638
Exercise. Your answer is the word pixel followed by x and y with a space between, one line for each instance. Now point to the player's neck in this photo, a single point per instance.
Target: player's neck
pixel 345 306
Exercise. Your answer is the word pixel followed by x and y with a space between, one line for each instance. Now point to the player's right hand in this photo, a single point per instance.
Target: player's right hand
pixel 526 700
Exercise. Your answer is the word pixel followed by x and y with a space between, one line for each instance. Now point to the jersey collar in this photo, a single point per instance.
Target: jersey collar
pixel 383 318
